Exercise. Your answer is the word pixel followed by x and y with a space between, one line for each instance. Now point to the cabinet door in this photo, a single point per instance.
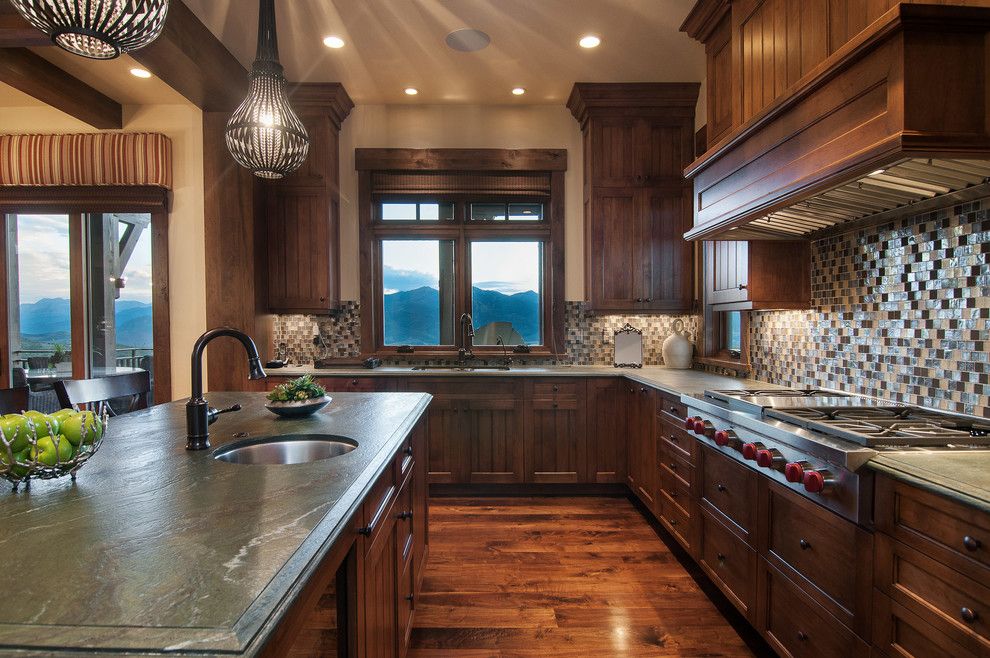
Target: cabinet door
pixel 726 272
pixel 300 250
pixel 718 54
pixel 670 282
pixel 556 449
pixel 649 465
pixel 615 157
pixel 492 429
pixel 447 443
pixel 380 591
pixel 607 423
pixel 634 452
pixel 666 148
pixel 619 269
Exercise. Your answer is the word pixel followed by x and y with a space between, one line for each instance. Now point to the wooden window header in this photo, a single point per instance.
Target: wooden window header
pixel 460 160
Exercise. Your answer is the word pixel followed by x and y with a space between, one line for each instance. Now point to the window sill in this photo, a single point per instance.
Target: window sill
pixel 726 362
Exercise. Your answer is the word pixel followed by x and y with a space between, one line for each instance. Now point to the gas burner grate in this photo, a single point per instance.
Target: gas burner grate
pixel 888 425
pixel 780 393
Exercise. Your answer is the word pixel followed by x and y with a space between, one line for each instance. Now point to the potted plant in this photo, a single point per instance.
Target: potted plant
pixel 299 397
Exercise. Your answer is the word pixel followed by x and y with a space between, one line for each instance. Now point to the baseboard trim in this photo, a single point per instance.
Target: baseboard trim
pixel 618 490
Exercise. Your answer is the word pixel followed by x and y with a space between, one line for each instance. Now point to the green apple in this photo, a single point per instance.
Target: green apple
pixel 62 414
pixel 44 424
pixel 19 458
pixel 16 430
pixel 51 451
pixel 82 428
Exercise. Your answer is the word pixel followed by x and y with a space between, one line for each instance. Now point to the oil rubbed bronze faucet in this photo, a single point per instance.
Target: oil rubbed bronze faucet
pixel 467 338
pixel 199 414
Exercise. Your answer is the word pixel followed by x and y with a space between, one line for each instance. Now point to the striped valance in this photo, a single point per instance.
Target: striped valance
pixel 86 159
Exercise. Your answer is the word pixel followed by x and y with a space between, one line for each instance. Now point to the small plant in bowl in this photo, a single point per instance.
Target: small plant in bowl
pixel 300 397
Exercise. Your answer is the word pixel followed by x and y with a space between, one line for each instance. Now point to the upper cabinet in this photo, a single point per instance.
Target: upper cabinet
pixel 637 140
pixel 757 275
pixel 302 211
pixel 823 112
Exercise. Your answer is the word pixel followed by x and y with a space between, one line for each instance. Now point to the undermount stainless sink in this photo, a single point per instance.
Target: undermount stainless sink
pixel 286 449
pixel 461 368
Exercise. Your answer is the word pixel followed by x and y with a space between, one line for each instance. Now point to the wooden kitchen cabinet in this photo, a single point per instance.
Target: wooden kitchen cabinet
pixel 607 429
pixel 556 448
pixel 758 274
pixel 637 140
pixel 302 219
pixel 643 472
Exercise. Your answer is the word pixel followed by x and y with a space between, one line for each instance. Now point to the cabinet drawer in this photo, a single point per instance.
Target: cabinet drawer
pixel 900 633
pixel 376 508
pixel 676 465
pixel 671 408
pixel 349 384
pixel 556 388
pixel 675 490
pixel 953 534
pixel 683 526
pixel 952 602
pixel 729 562
pixel 831 554
pixel 730 488
pixel 795 626
pixel 677 439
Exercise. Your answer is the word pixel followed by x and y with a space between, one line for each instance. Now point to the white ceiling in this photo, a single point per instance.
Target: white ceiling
pixel 393 44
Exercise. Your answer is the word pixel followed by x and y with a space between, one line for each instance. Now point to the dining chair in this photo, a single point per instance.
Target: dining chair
pixel 98 393
pixel 13 400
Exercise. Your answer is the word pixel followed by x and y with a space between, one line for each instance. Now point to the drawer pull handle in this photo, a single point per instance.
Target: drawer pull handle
pixel 971 543
pixel 968 615
pixel 721 487
pixel 804 544
pixel 802 636
pixel 409 450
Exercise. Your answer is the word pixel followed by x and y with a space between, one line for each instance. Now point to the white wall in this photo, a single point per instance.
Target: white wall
pixel 462 126
pixel 183 124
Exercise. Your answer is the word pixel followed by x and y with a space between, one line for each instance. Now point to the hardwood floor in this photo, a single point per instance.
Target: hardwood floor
pixel 559 577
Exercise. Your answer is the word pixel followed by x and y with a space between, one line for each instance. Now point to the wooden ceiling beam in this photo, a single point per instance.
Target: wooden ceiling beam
pixel 188 58
pixel 34 75
pixel 15 32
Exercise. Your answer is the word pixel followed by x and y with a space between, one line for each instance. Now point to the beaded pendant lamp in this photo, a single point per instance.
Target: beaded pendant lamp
pixel 98 29
pixel 264 134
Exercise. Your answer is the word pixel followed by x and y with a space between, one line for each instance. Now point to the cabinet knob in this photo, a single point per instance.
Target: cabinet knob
pixel 673 466
pixel 649 300
pixel 353 382
pixel 968 615
pixel 639 300
pixel 721 487
pixel 720 557
pixel 971 543
pixel 554 405
pixel 410 597
pixel 804 544
pixel 556 388
pixel 323 299
pixel 801 635
pixel 742 286
pixel 407 514
pixel 408 450
pixel 673 522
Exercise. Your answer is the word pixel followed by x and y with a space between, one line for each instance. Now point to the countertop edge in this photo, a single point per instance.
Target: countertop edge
pixel 921 482
pixel 257 635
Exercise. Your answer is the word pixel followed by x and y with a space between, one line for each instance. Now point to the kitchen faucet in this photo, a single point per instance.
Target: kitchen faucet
pixel 199 414
pixel 467 338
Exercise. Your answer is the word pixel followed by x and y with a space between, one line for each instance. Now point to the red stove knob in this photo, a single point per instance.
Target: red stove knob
pixel 794 471
pixel 704 428
pixel 749 450
pixel 723 437
pixel 818 481
pixel 689 422
pixel 770 458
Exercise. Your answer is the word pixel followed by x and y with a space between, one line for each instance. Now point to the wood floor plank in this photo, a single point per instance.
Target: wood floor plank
pixel 560 578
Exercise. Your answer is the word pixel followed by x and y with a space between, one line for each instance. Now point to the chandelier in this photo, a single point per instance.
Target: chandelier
pixel 264 134
pixel 98 29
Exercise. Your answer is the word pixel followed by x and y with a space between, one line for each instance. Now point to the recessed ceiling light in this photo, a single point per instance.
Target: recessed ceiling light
pixel 333 42
pixel 518 91
pixel 140 73
pixel 590 41
pixel 411 91
pixel 467 40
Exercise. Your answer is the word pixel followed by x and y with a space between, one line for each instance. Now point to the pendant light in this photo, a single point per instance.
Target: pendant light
pixel 98 29
pixel 264 134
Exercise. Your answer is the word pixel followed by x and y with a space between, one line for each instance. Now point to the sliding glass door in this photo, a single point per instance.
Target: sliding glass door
pixel 79 298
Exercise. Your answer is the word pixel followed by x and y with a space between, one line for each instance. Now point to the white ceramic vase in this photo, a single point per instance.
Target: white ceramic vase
pixel 677 350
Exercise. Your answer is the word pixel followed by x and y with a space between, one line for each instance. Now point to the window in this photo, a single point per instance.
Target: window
pixel 410 211
pixel 733 332
pixel 507 291
pixel 417 282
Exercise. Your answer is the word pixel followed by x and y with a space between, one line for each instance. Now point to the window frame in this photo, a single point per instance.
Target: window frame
pixel 549 230
pixel 76 202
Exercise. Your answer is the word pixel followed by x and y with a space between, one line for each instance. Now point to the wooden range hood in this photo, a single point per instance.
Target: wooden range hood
pixel 896 120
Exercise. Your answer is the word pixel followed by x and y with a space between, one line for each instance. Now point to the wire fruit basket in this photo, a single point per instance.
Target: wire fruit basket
pixel 38 446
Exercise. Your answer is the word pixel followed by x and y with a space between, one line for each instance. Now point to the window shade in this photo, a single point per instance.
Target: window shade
pixel 536 184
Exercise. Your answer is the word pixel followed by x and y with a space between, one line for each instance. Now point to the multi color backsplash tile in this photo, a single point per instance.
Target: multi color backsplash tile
pixel 588 337
pixel 901 312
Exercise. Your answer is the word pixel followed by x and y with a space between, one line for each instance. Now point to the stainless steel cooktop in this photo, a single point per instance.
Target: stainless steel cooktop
pixel 754 400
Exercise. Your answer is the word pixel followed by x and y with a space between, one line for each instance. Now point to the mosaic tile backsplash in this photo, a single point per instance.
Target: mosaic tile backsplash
pixel 588 337
pixel 901 311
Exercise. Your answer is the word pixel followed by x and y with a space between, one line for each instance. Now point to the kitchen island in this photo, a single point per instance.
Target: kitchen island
pixel 155 549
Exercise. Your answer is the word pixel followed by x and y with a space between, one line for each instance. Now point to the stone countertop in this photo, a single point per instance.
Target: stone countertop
pixel 158 550
pixel 676 382
pixel 962 475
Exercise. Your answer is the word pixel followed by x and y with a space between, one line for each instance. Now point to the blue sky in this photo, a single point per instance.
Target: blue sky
pixel 43 260
pixel 508 267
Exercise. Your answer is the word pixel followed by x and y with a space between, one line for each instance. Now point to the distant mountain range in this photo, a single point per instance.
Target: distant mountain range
pixel 413 316
pixel 49 320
